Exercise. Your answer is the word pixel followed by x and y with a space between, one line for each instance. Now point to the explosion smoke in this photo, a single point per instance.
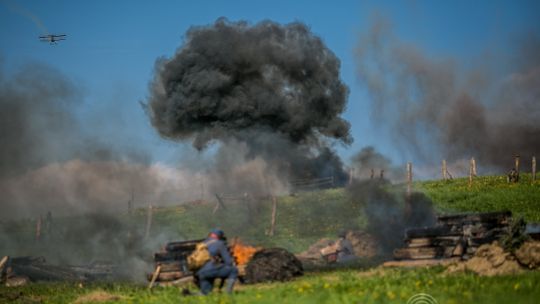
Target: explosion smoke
pixel 274 87
pixel 435 110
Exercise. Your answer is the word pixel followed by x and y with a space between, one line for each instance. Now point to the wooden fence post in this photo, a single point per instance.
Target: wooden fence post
pixel 409 179
pixel 516 163
pixel 533 173
pixel 471 171
pixel 148 221
pixel 274 213
pixel 444 170
pixel 38 228
pixel 473 164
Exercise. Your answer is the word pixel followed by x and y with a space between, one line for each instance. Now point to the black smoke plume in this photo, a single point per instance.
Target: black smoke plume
pixel 274 87
pixel 436 108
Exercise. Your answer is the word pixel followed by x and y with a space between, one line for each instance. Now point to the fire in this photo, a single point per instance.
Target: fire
pixel 242 253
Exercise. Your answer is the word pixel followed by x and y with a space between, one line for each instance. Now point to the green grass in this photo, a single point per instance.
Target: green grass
pixel 343 286
pixel 487 193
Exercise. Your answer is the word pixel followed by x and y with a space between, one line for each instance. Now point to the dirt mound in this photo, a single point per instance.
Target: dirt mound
pixel 489 260
pixel 273 264
pixel 528 254
pixel 98 296
pixel 364 244
pixel 314 251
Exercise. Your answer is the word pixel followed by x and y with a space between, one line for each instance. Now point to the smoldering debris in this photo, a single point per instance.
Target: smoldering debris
pixel 389 214
pixel 275 88
pixel 436 108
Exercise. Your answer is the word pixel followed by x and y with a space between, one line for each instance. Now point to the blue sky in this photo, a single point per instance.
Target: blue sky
pixel 112 47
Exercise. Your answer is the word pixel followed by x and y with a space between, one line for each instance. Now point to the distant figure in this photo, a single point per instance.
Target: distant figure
pixel 513 176
pixel 339 251
pixel 345 251
pixel 381 176
pixel 219 266
pixel 372 174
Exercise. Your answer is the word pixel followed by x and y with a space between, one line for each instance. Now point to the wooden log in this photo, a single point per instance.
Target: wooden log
pixel 167 276
pixel 422 262
pixel 430 232
pixel 460 219
pixel 433 241
pixel 182 245
pixel 168 267
pixel 154 277
pixel 170 256
pixel 418 253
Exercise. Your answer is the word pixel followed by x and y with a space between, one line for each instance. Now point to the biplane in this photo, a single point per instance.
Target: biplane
pixel 52 39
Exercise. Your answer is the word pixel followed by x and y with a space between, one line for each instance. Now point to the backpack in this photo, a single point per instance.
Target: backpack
pixel 199 256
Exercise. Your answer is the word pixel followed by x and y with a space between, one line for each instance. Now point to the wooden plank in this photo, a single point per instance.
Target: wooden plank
pixel 452 219
pixel 168 266
pixel 418 253
pixel 421 263
pixel 182 245
pixel 430 232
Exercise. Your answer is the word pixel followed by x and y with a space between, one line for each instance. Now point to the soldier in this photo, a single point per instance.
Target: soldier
pixel 345 251
pixel 219 266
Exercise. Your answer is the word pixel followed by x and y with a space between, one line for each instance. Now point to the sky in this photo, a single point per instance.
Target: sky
pixel 112 46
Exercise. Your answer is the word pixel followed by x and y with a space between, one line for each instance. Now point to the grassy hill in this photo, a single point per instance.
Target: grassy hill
pixel 301 220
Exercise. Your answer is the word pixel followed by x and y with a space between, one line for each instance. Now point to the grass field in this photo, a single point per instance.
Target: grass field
pixel 342 286
pixel 301 220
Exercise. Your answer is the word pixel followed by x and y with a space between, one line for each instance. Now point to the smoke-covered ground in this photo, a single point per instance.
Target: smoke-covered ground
pixel 438 108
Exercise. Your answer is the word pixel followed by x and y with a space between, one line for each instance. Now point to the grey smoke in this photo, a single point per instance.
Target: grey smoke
pixel 368 159
pixel 274 87
pixel 436 108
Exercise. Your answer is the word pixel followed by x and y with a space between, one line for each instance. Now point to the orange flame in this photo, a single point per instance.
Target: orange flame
pixel 243 253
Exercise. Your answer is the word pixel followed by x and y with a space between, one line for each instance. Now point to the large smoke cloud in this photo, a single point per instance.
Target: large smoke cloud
pixel 437 108
pixel 48 162
pixel 274 87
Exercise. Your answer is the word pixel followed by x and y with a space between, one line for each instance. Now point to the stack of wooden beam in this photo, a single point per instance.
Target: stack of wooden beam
pixel 454 237
pixel 171 262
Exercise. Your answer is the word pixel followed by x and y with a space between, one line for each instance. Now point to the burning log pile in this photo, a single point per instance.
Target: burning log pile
pixel 455 237
pixel 255 264
pixel 171 263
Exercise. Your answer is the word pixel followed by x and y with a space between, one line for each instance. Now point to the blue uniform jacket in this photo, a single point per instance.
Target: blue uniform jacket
pixel 217 248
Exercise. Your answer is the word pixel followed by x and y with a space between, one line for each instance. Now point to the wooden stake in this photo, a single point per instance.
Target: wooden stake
pixel 154 277
pixel 443 170
pixel 273 220
pixel 470 172
pixel 38 228
pixel 3 263
pixel 148 221
pixel 351 175
pixel 473 163
pixel 516 161
pixel 533 168
pixel 409 178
